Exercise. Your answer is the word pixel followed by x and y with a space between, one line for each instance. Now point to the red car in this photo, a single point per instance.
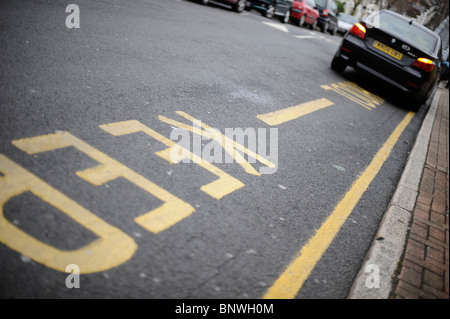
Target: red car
pixel 305 12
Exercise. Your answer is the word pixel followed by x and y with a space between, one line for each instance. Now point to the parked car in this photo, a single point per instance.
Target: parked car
pixel 305 12
pixel 328 16
pixel 236 5
pixel 395 49
pixel 345 22
pixel 444 72
pixel 271 8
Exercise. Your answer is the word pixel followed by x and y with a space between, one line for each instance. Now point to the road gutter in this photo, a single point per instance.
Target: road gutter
pixel 388 245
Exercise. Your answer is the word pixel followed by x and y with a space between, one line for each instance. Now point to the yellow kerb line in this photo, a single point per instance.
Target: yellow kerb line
pixel 292 279
pixel 294 112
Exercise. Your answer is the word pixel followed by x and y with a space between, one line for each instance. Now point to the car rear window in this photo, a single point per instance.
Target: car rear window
pixel 347 18
pixel 322 3
pixel 405 31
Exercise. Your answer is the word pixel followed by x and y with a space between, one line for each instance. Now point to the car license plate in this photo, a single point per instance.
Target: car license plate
pixel 386 49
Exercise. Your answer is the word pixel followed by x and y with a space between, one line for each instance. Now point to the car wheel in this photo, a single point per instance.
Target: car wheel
pixel 414 104
pixel 301 21
pixel 269 12
pixel 286 17
pixel 338 65
pixel 205 2
pixel 240 6
pixel 314 25
pixel 325 27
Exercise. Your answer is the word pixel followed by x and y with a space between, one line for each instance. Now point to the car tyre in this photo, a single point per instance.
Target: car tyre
pixel 301 21
pixel 418 102
pixel 325 27
pixel 285 18
pixel 414 105
pixel 338 65
pixel 205 2
pixel 269 12
pixel 240 6
pixel 314 25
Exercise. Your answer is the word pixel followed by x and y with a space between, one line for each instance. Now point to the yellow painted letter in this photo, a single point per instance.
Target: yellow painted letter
pixel 112 248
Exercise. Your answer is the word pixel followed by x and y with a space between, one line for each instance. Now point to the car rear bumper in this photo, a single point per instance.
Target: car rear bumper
pixel 407 79
pixel 296 13
pixel 260 5
pixel 229 2
pixel 321 21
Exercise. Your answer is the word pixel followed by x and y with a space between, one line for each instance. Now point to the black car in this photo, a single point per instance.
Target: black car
pixel 271 8
pixel 395 49
pixel 328 20
pixel 236 5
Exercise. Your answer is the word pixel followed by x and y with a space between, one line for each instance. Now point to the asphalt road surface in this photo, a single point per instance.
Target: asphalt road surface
pixel 85 177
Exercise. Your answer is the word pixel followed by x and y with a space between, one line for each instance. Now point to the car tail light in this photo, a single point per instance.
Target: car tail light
pixel 424 64
pixel 325 13
pixel 358 30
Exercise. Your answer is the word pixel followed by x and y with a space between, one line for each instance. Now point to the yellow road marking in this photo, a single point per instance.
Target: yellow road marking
pixel 377 99
pixel 355 93
pixel 225 185
pixel 294 112
pixel 291 280
pixel 112 248
pixel 171 212
pixel 224 140
pixel 229 145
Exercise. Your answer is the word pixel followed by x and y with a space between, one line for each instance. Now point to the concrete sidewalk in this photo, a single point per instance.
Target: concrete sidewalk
pixel 409 256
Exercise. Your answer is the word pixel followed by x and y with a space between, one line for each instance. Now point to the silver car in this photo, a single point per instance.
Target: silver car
pixel 345 22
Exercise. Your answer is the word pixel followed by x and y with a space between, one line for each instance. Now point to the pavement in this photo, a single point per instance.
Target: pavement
pixel 409 257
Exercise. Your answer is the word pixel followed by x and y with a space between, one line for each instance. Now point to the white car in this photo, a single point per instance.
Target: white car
pixel 345 22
